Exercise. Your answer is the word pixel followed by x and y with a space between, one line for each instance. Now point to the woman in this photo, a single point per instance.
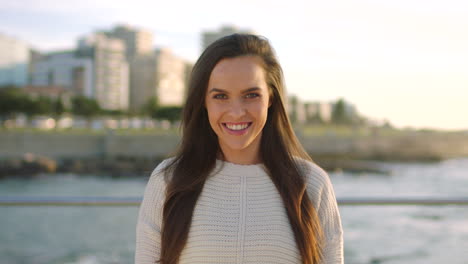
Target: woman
pixel 240 189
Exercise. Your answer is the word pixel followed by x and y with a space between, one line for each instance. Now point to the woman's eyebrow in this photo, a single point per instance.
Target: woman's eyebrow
pixel 251 89
pixel 217 90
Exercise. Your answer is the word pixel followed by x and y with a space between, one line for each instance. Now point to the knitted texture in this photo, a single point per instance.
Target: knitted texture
pixel 240 218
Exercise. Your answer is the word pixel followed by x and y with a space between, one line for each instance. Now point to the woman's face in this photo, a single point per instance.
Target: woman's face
pixel 237 102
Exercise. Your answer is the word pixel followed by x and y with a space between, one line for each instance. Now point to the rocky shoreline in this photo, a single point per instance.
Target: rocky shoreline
pixel 28 153
pixel 32 165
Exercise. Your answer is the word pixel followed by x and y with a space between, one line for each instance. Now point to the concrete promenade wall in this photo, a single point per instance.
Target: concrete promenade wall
pixel 75 145
pixel 61 145
pixel 400 146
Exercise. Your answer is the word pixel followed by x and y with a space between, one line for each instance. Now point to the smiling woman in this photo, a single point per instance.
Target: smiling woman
pixel 237 104
pixel 241 189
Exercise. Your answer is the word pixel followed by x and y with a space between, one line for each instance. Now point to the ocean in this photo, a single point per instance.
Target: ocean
pixel 372 234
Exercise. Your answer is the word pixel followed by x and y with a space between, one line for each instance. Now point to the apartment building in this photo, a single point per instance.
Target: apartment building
pixel 137 41
pixel 209 37
pixel 110 69
pixel 65 69
pixel 161 75
pixel 14 61
pixel 318 111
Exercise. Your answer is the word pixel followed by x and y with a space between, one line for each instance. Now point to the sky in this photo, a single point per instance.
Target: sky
pixel 401 60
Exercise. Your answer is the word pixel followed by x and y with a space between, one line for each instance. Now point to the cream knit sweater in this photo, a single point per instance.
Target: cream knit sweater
pixel 240 218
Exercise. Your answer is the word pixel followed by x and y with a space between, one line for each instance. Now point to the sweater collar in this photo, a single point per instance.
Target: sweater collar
pixel 233 169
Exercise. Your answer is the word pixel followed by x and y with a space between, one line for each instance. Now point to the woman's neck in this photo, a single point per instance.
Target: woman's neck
pixel 242 157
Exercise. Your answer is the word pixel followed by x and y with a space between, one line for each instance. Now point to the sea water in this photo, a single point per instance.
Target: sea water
pixel 372 234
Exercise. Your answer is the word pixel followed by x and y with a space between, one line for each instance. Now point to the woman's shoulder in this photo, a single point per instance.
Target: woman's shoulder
pixel 322 196
pixel 162 166
pixel 154 196
pixel 312 172
pixel 318 182
pixel 157 178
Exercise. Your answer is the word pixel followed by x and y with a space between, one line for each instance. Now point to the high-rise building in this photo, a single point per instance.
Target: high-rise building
pixel 142 80
pixel 188 73
pixel 34 58
pixel 140 57
pixel 170 79
pixel 296 110
pixel 14 61
pixel 65 69
pixel 318 111
pixel 326 111
pixel 137 41
pixel 160 76
pixel 350 111
pixel 211 36
pixel 110 67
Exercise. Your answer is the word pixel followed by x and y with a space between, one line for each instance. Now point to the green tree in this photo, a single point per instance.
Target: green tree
pixel 115 113
pixel 84 106
pixel 58 108
pixel 29 106
pixel 171 113
pixel 339 115
pixel 42 106
pixel 317 118
pixel 12 101
pixel 293 116
pixel 150 107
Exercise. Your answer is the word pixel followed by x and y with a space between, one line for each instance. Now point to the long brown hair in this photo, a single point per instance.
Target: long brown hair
pixel 196 156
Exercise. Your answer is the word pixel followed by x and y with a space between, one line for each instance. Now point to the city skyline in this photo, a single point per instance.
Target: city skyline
pixel 405 61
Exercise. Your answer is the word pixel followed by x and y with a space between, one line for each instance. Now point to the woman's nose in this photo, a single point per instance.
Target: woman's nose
pixel 237 108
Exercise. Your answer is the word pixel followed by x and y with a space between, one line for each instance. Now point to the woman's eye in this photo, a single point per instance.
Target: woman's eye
pixel 220 96
pixel 252 95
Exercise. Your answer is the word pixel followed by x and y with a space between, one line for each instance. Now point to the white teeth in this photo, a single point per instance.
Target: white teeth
pixel 237 127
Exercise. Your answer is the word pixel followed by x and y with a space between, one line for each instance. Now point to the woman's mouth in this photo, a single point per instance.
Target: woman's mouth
pixel 237 128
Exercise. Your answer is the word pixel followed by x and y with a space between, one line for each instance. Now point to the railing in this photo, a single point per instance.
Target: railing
pixel 135 201
pixel 70 201
pixel 404 201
